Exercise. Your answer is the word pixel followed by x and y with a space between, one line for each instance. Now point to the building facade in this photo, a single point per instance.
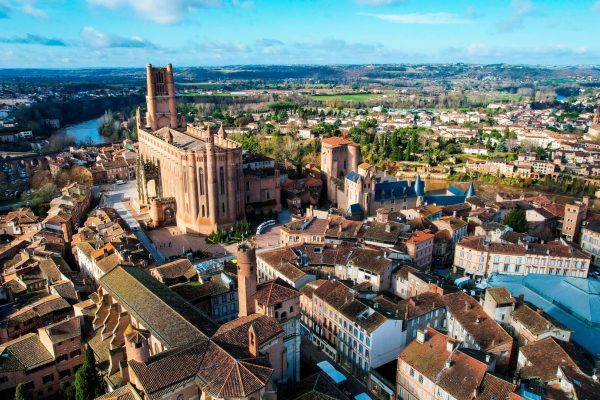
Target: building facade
pixel 198 168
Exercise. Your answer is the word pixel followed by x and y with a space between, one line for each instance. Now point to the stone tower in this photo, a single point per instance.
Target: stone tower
pixel 246 275
pixel 160 101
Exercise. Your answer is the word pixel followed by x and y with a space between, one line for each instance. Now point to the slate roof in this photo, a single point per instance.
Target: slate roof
pixel 171 318
pixel 386 191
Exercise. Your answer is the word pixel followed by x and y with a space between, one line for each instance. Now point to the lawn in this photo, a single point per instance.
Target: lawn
pixel 346 97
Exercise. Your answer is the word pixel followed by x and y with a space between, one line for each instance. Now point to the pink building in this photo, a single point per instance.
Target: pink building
pixel 420 249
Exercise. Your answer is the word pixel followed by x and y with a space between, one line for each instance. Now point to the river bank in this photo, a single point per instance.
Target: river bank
pixel 85 132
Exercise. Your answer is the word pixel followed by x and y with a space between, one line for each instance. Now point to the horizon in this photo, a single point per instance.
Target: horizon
pixel 48 34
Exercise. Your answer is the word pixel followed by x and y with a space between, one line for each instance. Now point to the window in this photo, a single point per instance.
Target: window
pixel 420 378
pixel 48 378
pixel 64 374
pixel 412 372
pixel 75 353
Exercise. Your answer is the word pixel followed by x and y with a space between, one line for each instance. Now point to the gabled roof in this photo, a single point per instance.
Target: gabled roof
pixel 484 330
pixel 24 353
pixel 171 318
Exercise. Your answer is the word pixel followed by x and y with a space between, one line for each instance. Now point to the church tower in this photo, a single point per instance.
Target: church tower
pixel 246 276
pixel 160 101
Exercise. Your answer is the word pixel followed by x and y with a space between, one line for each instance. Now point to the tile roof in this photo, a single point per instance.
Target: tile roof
pixel 175 269
pixel 171 318
pixel 342 299
pixel 64 330
pixel 546 355
pixel 485 331
pixel 219 374
pixel 536 322
pixel 370 260
pixel 495 388
pixel 24 353
pixel 127 392
pixel 501 295
pixel 336 141
pixel 39 308
pixel 316 387
pixel 274 292
pixel 233 335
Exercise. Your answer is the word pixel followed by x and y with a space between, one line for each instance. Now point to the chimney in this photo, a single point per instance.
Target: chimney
pixel 467 307
pixel 252 340
pixel 478 319
pixel 421 336
pixel 388 228
pixel 449 346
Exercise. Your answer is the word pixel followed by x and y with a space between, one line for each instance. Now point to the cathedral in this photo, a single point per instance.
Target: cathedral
pixel 187 175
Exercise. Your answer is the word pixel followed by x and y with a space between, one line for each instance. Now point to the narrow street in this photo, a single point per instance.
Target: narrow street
pixel 310 356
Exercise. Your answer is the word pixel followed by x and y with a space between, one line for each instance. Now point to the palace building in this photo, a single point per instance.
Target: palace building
pixel 187 175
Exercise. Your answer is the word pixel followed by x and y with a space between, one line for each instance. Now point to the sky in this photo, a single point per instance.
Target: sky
pixel 132 33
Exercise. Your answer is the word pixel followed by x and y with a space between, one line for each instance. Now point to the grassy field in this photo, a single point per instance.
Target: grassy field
pixel 346 97
pixel 205 94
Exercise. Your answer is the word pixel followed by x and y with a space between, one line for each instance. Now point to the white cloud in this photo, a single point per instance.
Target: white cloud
pixel 439 18
pixel 29 9
pixel 160 11
pixel 96 39
pixel 519 9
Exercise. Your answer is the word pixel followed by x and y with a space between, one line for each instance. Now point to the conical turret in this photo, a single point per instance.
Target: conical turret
pixel 470 191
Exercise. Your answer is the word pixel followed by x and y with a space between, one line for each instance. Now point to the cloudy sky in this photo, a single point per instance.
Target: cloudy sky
pixel 90 33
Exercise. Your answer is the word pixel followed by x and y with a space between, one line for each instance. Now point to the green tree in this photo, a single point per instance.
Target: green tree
pixel 21 392
pixel 88 384
pixel 516 220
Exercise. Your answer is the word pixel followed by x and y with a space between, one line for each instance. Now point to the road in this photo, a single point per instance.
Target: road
pixel 117 197
pixel 312 355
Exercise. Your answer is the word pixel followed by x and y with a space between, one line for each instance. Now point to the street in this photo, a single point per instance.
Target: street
pixel 311 356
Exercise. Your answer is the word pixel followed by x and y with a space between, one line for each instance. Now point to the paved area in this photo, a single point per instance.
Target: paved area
pixel 118 197
pixel 170 241
pixel 167 242
pixel 311 355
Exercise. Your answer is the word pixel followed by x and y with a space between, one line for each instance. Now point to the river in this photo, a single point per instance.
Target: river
pixel 83 132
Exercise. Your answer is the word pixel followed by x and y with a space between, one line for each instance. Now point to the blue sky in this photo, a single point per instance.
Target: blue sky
pixel 90 33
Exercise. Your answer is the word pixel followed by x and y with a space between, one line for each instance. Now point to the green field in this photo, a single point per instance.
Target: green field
pixel 346 97
pixel 205 94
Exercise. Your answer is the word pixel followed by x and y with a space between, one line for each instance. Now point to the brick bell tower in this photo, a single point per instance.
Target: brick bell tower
pixel 160 101
pixel 246 276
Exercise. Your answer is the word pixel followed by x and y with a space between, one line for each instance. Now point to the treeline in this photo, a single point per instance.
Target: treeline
pixel 70 112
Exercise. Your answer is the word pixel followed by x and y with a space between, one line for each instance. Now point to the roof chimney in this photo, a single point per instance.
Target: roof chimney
pixel 421 336
pixel 449 346
pixel 388 228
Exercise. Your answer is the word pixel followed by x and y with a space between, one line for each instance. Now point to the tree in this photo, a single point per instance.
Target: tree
pixel 517 221
pixel 21 392
pixel 88 384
